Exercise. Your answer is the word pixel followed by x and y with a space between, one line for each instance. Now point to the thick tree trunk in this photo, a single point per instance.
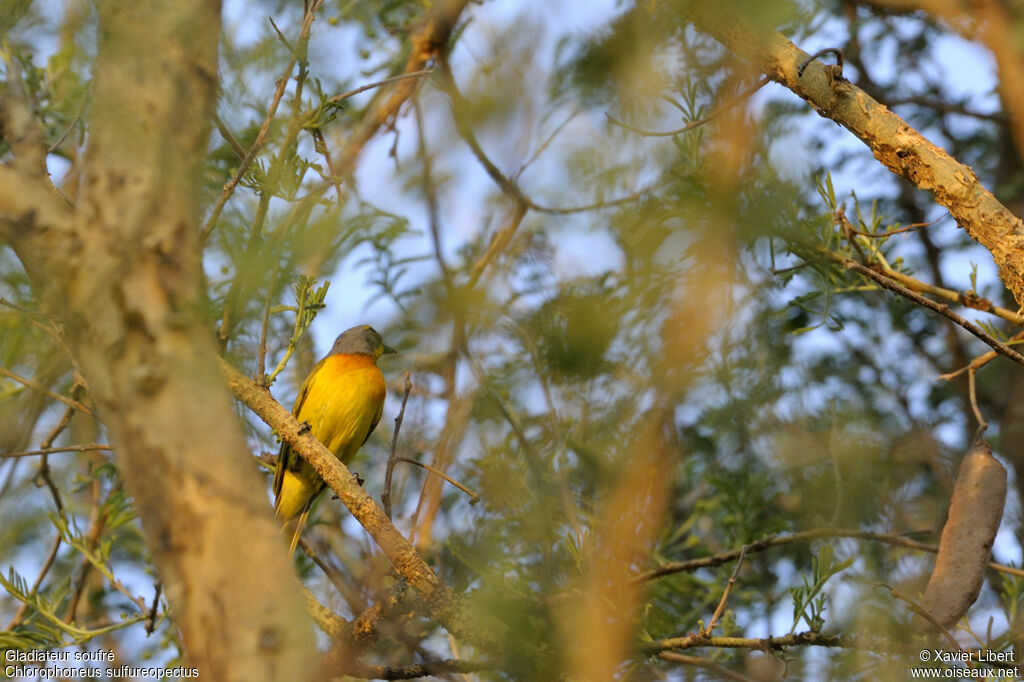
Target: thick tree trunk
pixel 122 269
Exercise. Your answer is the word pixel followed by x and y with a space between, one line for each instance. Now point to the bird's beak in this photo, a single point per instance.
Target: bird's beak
pixel 388 350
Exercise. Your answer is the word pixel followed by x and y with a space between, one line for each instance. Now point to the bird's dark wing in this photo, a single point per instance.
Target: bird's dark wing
pixel 373 424
pixel 285 454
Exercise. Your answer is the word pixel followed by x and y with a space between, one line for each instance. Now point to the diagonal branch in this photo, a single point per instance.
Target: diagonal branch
pixel 898 146
pixel 441 603
pixel 36 386
pixel 261 136
pixel 940 308
pixel 28 200
pixel 428 40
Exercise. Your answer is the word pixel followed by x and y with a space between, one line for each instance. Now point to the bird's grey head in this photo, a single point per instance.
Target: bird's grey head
pixel 361 340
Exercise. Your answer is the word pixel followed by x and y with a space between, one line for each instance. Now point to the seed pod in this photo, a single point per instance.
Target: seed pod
pixel 974 515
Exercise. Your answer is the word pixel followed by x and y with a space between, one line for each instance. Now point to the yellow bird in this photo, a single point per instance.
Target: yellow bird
pixel 341 400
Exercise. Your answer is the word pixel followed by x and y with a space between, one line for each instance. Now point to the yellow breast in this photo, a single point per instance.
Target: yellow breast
pixel 343 402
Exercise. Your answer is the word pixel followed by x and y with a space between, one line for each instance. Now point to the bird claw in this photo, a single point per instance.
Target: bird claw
pixel 359 480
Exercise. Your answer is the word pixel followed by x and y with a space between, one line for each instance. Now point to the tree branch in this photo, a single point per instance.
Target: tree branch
pixel 899 147
pixel 797 538
pixel 427 42
pixel 122 271
pixel 29 203
pixel 760 643
pixel 261 137
pixel 940 308
pixel 440 602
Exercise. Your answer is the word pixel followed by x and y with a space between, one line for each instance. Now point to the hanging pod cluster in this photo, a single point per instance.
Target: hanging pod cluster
pixel 966 544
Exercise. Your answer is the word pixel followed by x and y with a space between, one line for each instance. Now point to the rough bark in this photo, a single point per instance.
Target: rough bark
pixel 427 41
pixel 899 147
pixel 122 270
pixel 439 601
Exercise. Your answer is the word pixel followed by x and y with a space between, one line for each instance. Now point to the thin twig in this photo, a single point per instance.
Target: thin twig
pixel 352 597
pixel 97 520
pixel 980 361
pixel 698 640
pixel 429 40
pixel 261 353
pixel 969 299
pixel 43 474
pixel 807 638
pixel 151 623
pixel 497 245
pixel 546 143
pixel 228 137
pixel 42 389
pixel 700 121
pixel 457 410
pixel 393 79
pixel 725 593
pixel 507 185
pixel 799 266
pixel 597 205
pixel 43 477
pixel 320 145
pixel 385 497
pixel 308 301
pixel 280 36
pixel 430 192
pixel 940 308
pixel 23 310
pixel 921 611
pixel 719 670
pixel 47 564
pixel 772 541
pixel 61 424
pixel 948 108
pixel 474 497
pixel 889 233
pixel 261 136
pixel 67 131
pixel 257 242
pixel 64 448
pixel 460 107
pixel 982 424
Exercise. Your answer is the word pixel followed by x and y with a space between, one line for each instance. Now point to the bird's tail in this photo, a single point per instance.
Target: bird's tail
pixel 297 526
pixel 299 523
